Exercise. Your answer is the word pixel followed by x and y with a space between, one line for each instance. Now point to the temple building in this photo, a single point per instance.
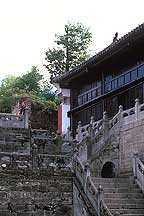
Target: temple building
pixel 112 77
pixel 107 116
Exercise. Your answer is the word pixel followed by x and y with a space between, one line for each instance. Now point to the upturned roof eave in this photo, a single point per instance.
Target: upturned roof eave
pixel 101 56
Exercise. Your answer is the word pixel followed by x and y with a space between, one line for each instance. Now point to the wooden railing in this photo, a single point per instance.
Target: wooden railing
pixel 125 78
pixel 115 83
pixel 89 95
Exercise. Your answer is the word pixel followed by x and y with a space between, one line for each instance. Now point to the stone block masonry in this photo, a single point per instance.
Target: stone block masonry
pixel 42 193
pixel 15 140
pixel 32 183
pixel 131 141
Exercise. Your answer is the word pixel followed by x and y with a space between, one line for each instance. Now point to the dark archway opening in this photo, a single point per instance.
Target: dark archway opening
pixel 108 170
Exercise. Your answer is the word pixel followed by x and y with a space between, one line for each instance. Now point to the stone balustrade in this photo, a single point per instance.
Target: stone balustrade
pixel 97 133
pixel 138 170
pixel 95 195
pixel 93 129
pixel 8 120
pixel 133 114
pixel 95 136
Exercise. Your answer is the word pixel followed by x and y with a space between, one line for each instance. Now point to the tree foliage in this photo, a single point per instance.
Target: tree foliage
pixel 30 84
pixel 71 49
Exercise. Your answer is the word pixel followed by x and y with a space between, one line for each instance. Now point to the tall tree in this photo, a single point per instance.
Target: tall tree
pixel 71 49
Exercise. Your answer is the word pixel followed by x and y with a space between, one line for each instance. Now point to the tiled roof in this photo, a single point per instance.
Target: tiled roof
pixel 99 56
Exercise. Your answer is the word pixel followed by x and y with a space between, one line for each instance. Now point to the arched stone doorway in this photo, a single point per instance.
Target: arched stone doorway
pixel 108 170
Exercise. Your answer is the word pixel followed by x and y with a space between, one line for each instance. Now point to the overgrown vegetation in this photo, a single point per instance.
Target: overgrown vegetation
pixel 30 84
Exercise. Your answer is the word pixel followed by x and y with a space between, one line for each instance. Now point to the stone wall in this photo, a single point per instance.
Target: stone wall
pixel 43 119
pixel 131 141
pixel 110 153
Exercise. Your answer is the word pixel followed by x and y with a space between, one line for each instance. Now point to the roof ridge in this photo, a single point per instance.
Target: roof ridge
pixel 104 51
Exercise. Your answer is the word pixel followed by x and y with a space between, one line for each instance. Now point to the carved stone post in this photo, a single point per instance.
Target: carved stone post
pixel 87 174
pixel 26 118
pixel 120 113
pixel 91 120
pixel 90 132
pixel 34 157
pixel 105 123
pixel 79 134
pixel 74 159
pixel 120 109
pixel 117 213
pixel 134 165
pixel 68 136
pixel 137 103
pixel 100 198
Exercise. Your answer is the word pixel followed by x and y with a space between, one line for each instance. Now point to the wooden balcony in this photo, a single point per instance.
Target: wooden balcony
pixel 115 83
pixel 124 79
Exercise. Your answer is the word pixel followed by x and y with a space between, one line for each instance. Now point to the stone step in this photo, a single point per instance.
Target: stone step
pixel 125 206
pixel 123 195
pixel 128 211
pixel 124 200
pixel 126 174
pixel 133 215
pixel 121 190
pixel 40 189
pixel 60 177
pixel 111 180
pixel 20 196
pixel 5 213
pixel 35 213
pixel 35 183
pixel 46 179
pixel 20 185
pixel 113 184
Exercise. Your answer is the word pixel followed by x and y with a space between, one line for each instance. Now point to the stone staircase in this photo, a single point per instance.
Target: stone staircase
pixel 36 194
pixel 34 180
pixel 45 144
pixel 121 196
pixel 14 140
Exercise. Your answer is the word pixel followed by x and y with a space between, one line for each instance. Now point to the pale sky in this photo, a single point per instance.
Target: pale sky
pixel 27 27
